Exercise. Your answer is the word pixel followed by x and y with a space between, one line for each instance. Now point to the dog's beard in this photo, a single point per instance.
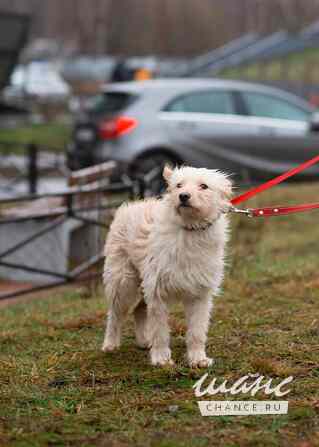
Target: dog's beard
pixel 185 205
pixel 192 215
pixel 187 210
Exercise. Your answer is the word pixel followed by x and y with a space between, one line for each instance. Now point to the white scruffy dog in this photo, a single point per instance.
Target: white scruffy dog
pixel 161 250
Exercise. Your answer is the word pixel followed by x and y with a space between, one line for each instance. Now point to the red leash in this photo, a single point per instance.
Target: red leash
pixel 278 210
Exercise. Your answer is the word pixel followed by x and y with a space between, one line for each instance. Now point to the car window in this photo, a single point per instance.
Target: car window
pixel 203 102
pixel 267 106
pixel 109 102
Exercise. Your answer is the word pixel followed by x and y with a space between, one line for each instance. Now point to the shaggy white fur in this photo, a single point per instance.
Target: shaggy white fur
pixel 162 250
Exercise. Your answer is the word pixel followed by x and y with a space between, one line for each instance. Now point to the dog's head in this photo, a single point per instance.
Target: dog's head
pixel 197 195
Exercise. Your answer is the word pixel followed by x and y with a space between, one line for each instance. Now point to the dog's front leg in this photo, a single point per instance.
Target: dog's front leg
pixel 158 332
pixel 197 314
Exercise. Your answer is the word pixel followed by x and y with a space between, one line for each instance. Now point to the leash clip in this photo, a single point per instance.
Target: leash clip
pixel 246 211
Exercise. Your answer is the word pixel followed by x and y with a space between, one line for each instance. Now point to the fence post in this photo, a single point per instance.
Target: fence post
pixel 32 168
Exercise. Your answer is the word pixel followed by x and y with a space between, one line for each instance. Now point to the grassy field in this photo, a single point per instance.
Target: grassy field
pixel 58 389
pixel 293 67
pixel 56 133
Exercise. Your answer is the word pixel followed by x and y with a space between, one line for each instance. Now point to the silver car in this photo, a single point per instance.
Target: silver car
pixel 250 130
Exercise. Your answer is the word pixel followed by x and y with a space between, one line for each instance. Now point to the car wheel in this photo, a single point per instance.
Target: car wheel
pixel 149 171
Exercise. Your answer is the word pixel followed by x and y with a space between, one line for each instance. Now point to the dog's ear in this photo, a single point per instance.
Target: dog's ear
pixel 167 173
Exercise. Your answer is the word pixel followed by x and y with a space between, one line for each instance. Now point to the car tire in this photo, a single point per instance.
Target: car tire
pixel 149 169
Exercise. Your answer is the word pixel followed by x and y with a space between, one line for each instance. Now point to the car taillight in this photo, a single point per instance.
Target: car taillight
pixel 116 127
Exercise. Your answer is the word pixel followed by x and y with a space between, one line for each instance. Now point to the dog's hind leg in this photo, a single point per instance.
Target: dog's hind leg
pixel 121 289
pixel 140 317
pixel 197 314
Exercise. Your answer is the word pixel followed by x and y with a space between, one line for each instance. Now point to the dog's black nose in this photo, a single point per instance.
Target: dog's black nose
pixel 184 197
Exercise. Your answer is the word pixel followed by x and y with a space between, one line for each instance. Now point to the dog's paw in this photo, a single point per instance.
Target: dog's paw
pixel 203 363
pixel 142 342
pixel 109 346
pixel 199 360
pixel 161 357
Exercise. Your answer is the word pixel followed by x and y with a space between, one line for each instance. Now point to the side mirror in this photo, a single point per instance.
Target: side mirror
pixel 314 122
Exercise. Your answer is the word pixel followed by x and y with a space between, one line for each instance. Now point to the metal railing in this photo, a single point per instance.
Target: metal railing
pixel 24 162
pixel 22 167
pixel 88 205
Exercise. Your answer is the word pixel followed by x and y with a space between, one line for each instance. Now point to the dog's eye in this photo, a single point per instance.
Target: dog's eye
pixel 179 185
pixel 203 186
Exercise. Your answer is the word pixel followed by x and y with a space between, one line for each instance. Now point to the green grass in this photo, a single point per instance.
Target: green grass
pixel 58 389
pixel 300 66
pixel 52 137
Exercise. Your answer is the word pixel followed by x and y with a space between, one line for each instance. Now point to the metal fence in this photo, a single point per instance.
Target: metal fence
pixel 83 213
pixel 24 162
pixel 15 169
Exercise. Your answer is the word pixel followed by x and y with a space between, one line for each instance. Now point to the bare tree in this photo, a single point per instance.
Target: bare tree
pixel 163 27
pixel 290 13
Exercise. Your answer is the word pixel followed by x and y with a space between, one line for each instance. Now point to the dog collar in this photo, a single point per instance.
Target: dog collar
pixel 199 228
